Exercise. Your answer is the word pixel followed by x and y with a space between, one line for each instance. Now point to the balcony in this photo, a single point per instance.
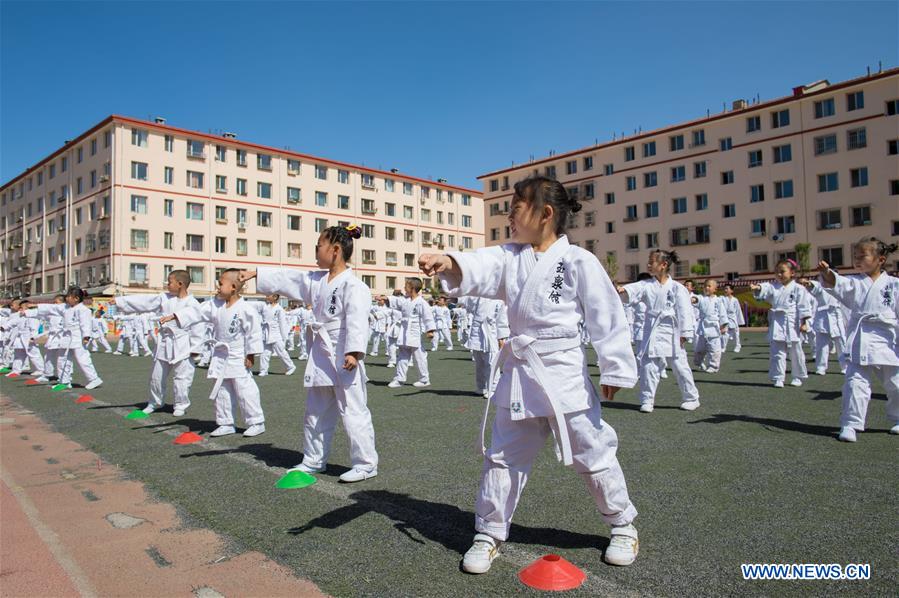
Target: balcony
pixel 196 154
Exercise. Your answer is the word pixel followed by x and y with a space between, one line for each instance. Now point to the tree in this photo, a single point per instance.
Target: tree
pixel 699 269
pixel 611 264
pixel 802 255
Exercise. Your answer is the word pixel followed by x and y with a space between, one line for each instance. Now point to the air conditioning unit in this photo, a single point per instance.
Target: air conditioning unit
pixel 241 226
pixel 777 238
pixel 104 178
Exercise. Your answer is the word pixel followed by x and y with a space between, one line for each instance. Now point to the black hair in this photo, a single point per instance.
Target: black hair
pixel 667 256
pixel 727 285
pixel 538 191
pixel 881 249
pixel 77 293
pixel 397 293
pixel 343 236
pixel 182 276
pixel 415 283
pixel 787 262
pixel 60 296
pixel 643 276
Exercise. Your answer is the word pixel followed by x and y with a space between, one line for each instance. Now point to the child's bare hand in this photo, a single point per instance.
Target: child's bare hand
pixel 608 392
pixel 803 327
pixel 246 275
pixel 755 287
pixel 351 361
pixel 434 263
pixel 248 361
pixel 166 319
pixel 111 301
pixel 823 266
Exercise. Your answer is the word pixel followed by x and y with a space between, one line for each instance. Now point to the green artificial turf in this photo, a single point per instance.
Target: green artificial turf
pixel 755 475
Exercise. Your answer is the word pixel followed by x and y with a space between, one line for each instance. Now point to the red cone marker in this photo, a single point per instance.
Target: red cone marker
pixel 552 573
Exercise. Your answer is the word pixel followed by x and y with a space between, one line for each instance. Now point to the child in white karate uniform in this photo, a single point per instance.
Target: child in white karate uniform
pixel 735 319
pixel 460 318
pixel 489 330
pixel 23 330
pixel 175 345
pixel 237 339
pixel 443 321
pixel 787 320
pixel 416 318
pixel 667 327
pixel 274 334
pixel 98 333
pixel 394 329
pixel 712 327
pixel 378 317
pixel 335 377
pixel 544 388
pixel 872 347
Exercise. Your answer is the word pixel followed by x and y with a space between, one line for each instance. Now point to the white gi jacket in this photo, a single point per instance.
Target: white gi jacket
pixel 668 317
pixel 828 318
pixel 874 320
pixel 340 307
pixel 379 316
pixel 544 368
pixel 415 317
pixel 789 307
pixel 77 322
pixel 236 333
pixel 712 316
pixel 441 317
pixel 176 343
pixel 490 323
pixel 274 322
pixel 734 312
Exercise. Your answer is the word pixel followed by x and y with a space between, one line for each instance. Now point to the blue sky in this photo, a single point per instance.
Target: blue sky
pixel 436 89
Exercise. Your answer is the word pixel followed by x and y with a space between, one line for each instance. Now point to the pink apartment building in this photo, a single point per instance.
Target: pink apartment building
pixel 129 200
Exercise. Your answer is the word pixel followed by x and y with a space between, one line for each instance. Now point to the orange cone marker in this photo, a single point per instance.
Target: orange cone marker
pixel 552 573
pixel 84 399
pixel 31 382
pixel 187 438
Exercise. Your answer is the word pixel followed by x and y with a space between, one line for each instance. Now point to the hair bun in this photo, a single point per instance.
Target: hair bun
pixel 575 206
pixel 354 231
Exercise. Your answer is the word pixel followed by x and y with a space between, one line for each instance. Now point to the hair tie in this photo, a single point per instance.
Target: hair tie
pixel 354 231
pixel 794 264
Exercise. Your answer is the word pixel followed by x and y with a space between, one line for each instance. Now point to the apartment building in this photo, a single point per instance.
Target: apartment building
pixel 735 192
pixel 130 200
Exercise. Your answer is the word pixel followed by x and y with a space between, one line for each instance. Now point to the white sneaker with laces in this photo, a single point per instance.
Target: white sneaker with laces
pixel 149 409
pixel 646 408
pixel 821 372
pixel 357 475
pixel 222 431
pixel 261 374
pixel 254 430
pixel 307 468
pixel 391 365
pixel 93 384
pixel 795 382
pixel 179 411
pixel 481 554
pixel 421 384
pixel 690 405
pixel 623 547
pixel 42 379
pixel 847 434
pixel 778 384
pixel 394 384
pixel 290 371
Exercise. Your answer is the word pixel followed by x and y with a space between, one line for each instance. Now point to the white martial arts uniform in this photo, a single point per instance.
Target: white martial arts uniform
pixel 830 328
pixel 378 315
pixel 668 319
pixel 789 308
pixel 24 329
pixel 99 329
pixel 341 307
pixel 274 332
pixel 416 317
pixel 6 353
pixel 710 339
pixel 76 327
pixel 141 330
pixel 442 321
pixel 53 330
pixel 639 310
pixel 236 333
pixel 735 319
pixel 394 329
pixel 125 327
pixel 490 323
pixel 872 346
pixel 544 387
pixel 173 349
pixel 460 317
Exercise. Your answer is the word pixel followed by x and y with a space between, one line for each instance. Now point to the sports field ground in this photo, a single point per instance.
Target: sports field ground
pixel 755 475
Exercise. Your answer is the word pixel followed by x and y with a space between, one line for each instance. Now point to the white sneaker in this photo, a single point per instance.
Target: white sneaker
pixel 486 394
pixel 821 372
pixel 149 409
pixel 689 406
pixel 357 475
pixel 117 353
pixel 93 384
pixel 179 411
pixel 646 407
pixel 778 384
pixel 737 350
pixel 394 384
pixel 307 468
pixel 222 431
pixel 42 379
pixel 450 349
pixel 795 382
pixel 623 547
pixel 894 429
pixel 434 349
pixel 290 371
pixel 254 430
pixel 261 374
pixel 481 554
pixel 664 374
pixel 421 384
pixel 373 354
pixel 847 434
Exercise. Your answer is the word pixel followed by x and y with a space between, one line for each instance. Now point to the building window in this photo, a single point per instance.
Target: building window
pixel 650 179
pixel 832 255
pixel 629 153
pixel 220 244
pixel 138 204
pixel 389 185
pixel 729 210
pixel 197 274
pixel 137 274
pixel 168 207
pixel 649 149
pixel 824 108
pixel 856 138
pixel 786 225
pixel 753 124
pixel 760 262
pixel 263 162
pixel 139 137
pixel 139 171
pixel 241 158
pixel 783 153
pixel 588 163
pixel 194 179
pixel 830 219
pixel 783 189
pixel 828 182
pixel 294 250
pixel 698 137
pixel 140 240
pixel 241 186
pixel 855 101
pixel 321 224
pixel 755 158
pixel 368 231
pixel 726 144
pixel 779 119
pixel 169 143
pixel 343 177
pixel 294 222
pixel 858 177
pixel 652 209
pixel 631 213
pixel 727 177
pixel 571 167
pixel 756 193
pixel 679 205
pixel 343 202
pixel 699 170
pixel 264 190
pixel 730 245
pixel 676 143
pixel 168 240
pixel 264 248
pixel 610 227
pixel 610 198
pixel 221 183
pixel 263 219
pixel 702 201
pixel 321 199
pixel 221 214
pixel 194 211
pixel 466 221
pixel 466 199
pixel 678 174
pixel 757 227
pixel 652 240
pixel 632 242
pixel 861 216
pixel 892 147
pixel 589 191
pixel 241 247
pixel 221 153
pixel 194 242
pixel 631 183
pixel 196 149
pixel 892 107
pixel 825 144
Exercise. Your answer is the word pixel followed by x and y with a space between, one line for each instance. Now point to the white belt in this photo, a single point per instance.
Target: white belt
pixel 528 349
pixel 217 364
pixel 322 330
pixel 166 346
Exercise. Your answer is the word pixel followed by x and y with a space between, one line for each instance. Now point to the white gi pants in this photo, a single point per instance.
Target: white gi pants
pixel 243 393
pixel 51 356
pixel 278 349
pixel 822 351
pixel 482 362
pixel 65 366
pixel 375 342
pixel 183 377
pixel 857 393
pixel 514 446
pixel 324 404
pixel 142 339
pixel 290 344
pixel 391 350
pixel 777 369
pixel 120 346
pixel 30 358
pixel 733 334
pixel 405 358
pixel 102 342
pixel 651 369
pixel 462 335
pixel 707 353
pixel 442 334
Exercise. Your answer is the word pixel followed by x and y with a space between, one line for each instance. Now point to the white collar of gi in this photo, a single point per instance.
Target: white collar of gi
pixel 537 271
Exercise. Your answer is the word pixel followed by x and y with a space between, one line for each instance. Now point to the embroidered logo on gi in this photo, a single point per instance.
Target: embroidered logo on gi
pixel 516 407
pixel 333 308
pixel 554 294
pixel 234 326
pixel 308 378
pixel 887 296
